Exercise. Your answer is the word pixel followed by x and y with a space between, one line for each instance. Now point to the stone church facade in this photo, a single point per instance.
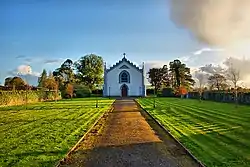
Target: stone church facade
pixel 124 79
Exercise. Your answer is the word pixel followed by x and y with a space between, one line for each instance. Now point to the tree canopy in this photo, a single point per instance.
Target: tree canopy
pixel 16 82
pixel 180 74
pixel 90 70
pixel 217 81
pixel 42 78
pixel 177 76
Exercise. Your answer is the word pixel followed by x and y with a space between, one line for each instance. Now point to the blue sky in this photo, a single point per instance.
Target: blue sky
pixel 43 33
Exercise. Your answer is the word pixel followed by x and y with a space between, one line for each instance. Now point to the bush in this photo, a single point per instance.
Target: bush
pixel 97 92
pixel 81 91
pixel 150 91
pixel 168 92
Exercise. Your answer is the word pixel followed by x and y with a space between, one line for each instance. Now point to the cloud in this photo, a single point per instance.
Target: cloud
pixel 20 56
pixel 200 51
pixel 39 59
pixel 25 72
pixel 241 65
pixel 212 69
pixel 220 23
pixel 52 61
pixel 155 64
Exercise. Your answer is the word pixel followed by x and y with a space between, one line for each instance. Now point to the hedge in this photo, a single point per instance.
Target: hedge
pixel 8 98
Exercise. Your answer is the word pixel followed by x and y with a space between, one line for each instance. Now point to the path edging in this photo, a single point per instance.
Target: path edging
pixel 110 109
pixel 167 131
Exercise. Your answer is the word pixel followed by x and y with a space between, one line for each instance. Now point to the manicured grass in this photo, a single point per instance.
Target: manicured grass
pixel 43 133
pixel 218 134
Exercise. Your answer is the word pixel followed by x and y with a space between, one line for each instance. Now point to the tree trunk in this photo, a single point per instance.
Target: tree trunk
pixel 236 97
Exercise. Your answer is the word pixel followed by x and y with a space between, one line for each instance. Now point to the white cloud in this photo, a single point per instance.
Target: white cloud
pixel 24 70
pixel 200 51
pixel 155 64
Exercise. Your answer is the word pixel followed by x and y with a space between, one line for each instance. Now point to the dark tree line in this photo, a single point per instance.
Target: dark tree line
pixel 177 76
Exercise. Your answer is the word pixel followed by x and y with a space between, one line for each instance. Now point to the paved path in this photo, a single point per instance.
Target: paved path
pixel 125 139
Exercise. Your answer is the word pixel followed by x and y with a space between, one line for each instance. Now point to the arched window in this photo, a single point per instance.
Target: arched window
pixel 124 77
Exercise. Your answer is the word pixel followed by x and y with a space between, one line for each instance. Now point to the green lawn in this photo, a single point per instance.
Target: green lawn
pixel 43 133
pixel 218 134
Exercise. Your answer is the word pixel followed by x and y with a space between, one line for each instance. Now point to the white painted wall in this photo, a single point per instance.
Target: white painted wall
pixel 135 85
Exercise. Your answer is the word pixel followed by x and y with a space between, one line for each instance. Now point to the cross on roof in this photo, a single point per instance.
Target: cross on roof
pixel 124 54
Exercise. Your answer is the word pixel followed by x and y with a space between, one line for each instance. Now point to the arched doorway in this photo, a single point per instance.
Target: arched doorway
pixel 124 90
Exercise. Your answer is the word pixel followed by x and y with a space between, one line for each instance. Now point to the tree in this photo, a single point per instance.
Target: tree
pixel 65 72
pixel 233 75
pixel 166 77
pixel 202 80
pixel 90 70
pixel 42 78
pixel 155 78
pixel 17 82
pixel 7 81
pixel 180 74
pixel 50 83
pixel 69 90
pixel 218 81
pixel 64 75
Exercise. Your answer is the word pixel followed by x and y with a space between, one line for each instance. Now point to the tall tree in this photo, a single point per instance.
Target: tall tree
pixel 180 74
pixel 217 81
pixel 166 77
pixel 64 74
pixel 90 70
pixel 42 78
pixel 156 78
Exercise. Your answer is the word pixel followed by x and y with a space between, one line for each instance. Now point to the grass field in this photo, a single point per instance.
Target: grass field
pixel 218 134
pixel 43 133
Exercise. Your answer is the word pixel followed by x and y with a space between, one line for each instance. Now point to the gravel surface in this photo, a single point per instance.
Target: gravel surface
pixel 127 137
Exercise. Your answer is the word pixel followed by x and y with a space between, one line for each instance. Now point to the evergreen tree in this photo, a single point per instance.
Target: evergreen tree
pixel 42 78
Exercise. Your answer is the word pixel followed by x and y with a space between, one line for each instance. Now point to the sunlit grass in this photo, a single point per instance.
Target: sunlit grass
pixel 43 133
pixel 218 134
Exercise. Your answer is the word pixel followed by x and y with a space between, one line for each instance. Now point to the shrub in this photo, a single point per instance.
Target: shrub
pixel 81 91
pixel 167 92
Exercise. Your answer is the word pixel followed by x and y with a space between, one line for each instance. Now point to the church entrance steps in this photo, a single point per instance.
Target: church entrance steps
pixel 127 137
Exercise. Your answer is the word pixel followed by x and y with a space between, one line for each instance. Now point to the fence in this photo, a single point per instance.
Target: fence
pixel 243 98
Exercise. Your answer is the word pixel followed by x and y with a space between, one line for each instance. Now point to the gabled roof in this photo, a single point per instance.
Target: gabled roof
pixel 124 59
pixel 124 67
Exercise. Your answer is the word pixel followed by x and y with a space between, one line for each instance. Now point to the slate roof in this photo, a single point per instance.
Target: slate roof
pixel 124 59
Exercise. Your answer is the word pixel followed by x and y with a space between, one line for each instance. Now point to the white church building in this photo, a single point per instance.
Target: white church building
pixel 124 79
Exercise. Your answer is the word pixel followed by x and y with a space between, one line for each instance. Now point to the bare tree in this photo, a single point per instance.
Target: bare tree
pixel 202 80
pixel 233 75
pixel 218 81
